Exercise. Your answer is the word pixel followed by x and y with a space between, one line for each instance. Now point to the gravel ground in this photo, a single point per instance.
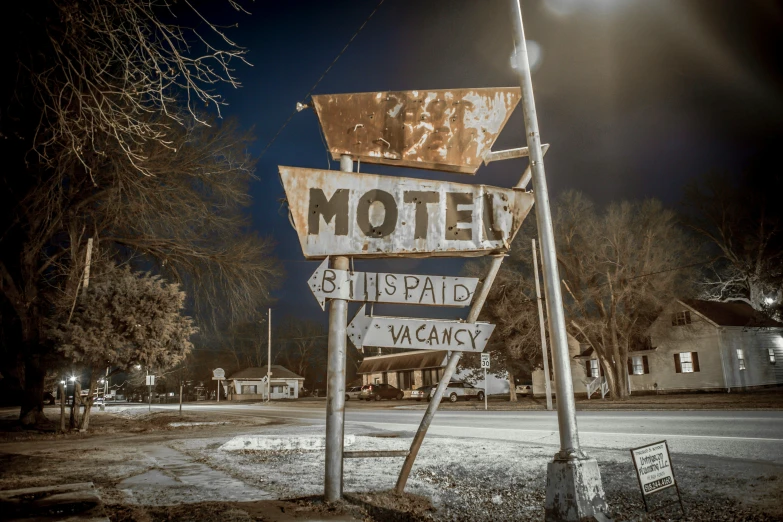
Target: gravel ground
pixel 453 479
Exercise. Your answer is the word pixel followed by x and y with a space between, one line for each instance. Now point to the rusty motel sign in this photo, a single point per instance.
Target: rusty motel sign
pixel 420 334
pixel 345 214
pixel 366 215
pixel 330 283
pixel 450 130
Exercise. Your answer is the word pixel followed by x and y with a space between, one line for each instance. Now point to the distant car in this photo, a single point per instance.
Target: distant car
pixel 48 398
pixel 460 390
pixel 353 392
pixel 422 392
pixel 380 391
pixel 524 389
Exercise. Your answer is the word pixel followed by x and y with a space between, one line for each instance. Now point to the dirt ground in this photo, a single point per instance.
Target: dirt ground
pixel 453 480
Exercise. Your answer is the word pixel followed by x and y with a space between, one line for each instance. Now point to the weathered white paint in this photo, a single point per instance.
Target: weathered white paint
pixel 425 334
pixel 365 215
pixel 330 283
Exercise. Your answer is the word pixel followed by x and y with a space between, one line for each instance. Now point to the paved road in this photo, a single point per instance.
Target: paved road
pixel 746 435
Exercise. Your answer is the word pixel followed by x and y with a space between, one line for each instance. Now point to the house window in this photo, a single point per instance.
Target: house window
pixel 740 359
pixel 686 362
pixel 681 318
pixel 594 371
pixel 638 365
pixel 249 389
pixel 771 355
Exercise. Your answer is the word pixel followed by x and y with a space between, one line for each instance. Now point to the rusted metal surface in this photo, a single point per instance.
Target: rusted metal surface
pixel 447 129
pixel 366 215
pixel 421 334
pixel 375 454
pixel 328 283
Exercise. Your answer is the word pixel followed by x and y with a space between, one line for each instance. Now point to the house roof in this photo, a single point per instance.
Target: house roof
pixel 735 313
pixel 403 361
pixel 278 372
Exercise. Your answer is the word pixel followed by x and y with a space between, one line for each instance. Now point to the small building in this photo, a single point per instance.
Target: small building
pixel 249 384
pixel 700 345
pixel 406 371
pixel 579 373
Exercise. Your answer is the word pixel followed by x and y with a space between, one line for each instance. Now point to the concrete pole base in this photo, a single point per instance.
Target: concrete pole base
pixel 574 491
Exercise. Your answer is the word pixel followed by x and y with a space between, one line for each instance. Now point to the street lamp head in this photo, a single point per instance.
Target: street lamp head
pixel 138 367
pixel 73 378
pixel 62 382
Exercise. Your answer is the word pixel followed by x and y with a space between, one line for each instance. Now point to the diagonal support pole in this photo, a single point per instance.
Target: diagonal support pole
pixel 451 366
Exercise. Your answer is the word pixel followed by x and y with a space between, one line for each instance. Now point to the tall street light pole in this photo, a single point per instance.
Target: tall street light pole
pixel 269 359
pixel 574 490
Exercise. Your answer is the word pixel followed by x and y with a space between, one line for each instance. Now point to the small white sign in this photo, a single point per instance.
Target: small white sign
pixel 485 360
pixel 391 288
pixel 150 380
pixel 218 374
pixel 422 334
pixel 653 467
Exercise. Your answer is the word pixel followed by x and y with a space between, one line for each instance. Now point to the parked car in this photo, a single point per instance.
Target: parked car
pixel 380 391
pixel 422 392
pixel 353 392
pixel 460 390
pixel 524 389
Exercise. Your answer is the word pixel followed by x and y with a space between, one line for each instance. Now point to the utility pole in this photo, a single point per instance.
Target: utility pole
pixel 547 386
pixel 149 392
pixel 180 390
pixel 269 359
pixel 574 490
pixel 335 381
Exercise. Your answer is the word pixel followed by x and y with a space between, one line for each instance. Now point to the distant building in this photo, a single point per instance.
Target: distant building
pixel 410 370
pixel 406 371
pixel 702 345
pixel 249 384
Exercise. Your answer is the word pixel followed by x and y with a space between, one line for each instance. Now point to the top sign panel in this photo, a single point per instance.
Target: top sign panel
pixel 365 215
pixel 447 129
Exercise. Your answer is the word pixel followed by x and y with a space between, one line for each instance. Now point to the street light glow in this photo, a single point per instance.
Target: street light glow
pixel 73 378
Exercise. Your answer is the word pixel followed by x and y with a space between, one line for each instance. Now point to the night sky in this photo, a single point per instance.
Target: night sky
pixel 636 97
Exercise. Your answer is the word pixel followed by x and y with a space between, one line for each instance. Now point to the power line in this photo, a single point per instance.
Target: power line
pixel 321 78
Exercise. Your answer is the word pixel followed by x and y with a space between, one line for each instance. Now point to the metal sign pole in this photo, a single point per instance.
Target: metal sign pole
pixel 335 382
pixel 574 489
pixel 547 385
pixel 451 366
pixel 485 389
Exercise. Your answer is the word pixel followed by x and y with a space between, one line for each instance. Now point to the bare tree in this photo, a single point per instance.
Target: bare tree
pixel 111 63
pixel 743 221
pixel 303 345
pixel 105 95
pixel 515 346
pixel 619 268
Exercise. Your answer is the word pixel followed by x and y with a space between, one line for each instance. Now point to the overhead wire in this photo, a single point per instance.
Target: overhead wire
pixel 323 75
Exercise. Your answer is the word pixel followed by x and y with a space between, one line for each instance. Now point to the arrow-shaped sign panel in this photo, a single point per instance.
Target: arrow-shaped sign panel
pixel 328 283
pixel 424 334
pixel 365 215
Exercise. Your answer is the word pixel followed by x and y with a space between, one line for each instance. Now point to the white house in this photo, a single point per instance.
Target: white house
pixel 249 384
pixel 703 345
